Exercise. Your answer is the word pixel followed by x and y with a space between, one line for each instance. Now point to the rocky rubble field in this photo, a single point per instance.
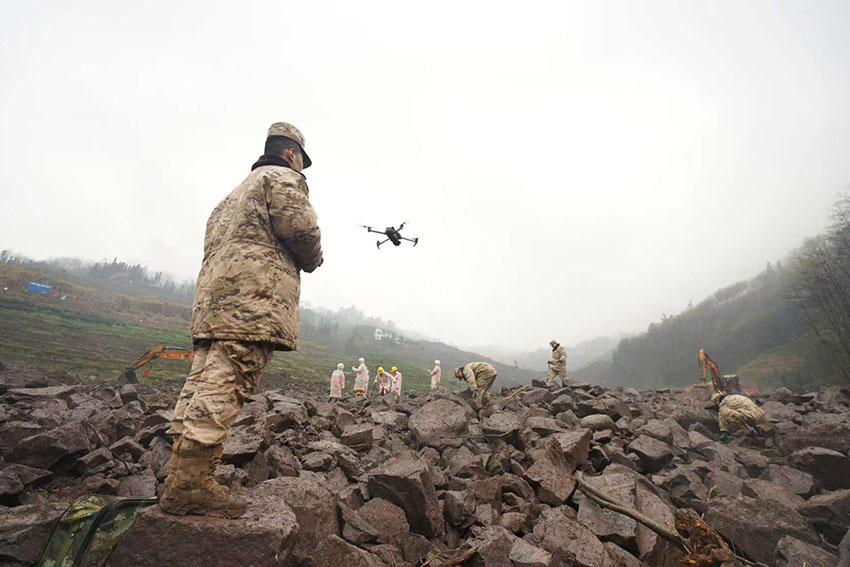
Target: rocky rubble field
pixel 427 479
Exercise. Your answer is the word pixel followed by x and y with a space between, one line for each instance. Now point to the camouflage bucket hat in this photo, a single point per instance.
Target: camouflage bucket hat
pixel 287 130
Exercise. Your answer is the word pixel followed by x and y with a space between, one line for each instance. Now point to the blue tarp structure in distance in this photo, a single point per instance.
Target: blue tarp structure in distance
pixel 35 287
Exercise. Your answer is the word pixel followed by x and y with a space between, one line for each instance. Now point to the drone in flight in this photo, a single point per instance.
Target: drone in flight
pixel 393 235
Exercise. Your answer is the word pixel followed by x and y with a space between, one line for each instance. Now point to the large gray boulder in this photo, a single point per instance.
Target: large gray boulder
pixel 405 480
pixel 756 526
pixel 795 480
pixel 44 450
pixel 335 552
pixel 24 531
pixel 561 535
pixel 441 423
pixel 766 490
pixel 263 537
pixel 606 524
pixel 314 507
pixel 502 425
pixel 792 552
pixel 389 519
pixel 654 454
pixel 830 513
pixel 554 483
pixel 830 467
pixel 831 431
pixel 575 446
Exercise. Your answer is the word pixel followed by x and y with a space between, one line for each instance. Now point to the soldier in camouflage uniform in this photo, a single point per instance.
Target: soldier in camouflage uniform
pixel 558 363
pixel 258 240
pixel 736 413
pixel 479 376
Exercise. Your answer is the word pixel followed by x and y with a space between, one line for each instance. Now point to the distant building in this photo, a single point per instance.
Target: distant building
pixel 381 335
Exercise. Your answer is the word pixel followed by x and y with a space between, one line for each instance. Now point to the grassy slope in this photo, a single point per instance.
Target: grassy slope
pixel 89 338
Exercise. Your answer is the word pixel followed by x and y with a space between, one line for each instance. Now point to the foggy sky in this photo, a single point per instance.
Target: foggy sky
pixel 573 169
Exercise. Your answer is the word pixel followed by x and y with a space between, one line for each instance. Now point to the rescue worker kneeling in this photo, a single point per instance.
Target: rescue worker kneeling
pixel 736 412
pixel 479 376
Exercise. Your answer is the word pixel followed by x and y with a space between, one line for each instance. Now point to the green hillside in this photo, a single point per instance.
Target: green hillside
pixel 109 326
pixel 749 328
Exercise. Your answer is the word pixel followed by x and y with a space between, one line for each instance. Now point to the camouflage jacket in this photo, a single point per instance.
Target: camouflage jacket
pixel 258 240
pixel 479 375
pixel 559 359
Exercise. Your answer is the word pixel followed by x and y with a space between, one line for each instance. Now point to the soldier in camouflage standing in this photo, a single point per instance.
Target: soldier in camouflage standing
pixel 558 363
pixel 258 241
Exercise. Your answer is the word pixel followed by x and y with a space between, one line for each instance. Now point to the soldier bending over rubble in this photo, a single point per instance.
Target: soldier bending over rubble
pixel 479 376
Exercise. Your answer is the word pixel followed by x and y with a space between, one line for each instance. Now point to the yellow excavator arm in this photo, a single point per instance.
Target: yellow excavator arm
pixel 706 361
pixel 159 351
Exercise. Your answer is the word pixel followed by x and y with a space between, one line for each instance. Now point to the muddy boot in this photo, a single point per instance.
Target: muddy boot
pixel 215 461
pixel 191 488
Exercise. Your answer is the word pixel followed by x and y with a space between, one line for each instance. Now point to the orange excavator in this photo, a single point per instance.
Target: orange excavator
pixel 159 351
pixel 728 383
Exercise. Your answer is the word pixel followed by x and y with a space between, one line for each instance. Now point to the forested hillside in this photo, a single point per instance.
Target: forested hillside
pixel 749 325
pixel 789 325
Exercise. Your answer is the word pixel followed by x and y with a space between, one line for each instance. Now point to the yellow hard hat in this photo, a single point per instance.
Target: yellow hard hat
pixel 380 369
pixel 394 368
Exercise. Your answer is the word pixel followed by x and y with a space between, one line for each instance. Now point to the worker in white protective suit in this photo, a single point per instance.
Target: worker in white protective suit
pixel 361 378
pixel 436 375
pixel 736 413
pixel 338 381
pixel 383 380
pixel 396 383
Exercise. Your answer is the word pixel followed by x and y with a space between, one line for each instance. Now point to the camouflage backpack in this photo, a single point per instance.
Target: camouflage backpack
pixel 90 529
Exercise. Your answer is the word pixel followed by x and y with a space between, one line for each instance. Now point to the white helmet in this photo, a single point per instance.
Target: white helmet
pixel 437 362
pixel 361 359
pixel 340 366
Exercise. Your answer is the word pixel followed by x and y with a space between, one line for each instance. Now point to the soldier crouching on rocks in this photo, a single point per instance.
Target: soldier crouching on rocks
pixel 736 412
pixel 479 376
pixel 258 240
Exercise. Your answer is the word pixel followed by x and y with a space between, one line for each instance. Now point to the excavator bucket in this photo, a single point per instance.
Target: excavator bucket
pixel 129 375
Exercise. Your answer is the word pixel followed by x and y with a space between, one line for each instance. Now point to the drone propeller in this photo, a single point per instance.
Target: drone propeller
pixel 401 226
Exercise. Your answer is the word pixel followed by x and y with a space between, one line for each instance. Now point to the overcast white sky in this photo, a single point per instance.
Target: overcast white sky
pixel 574 169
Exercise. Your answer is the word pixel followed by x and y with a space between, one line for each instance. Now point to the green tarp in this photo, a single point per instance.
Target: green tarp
pixel 90 529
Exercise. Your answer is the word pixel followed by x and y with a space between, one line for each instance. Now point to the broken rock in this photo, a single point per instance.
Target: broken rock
pixel 606 524
pixel 791 552
pixel 554 484
pixel 44 450
pixel 263 537
pixel 795 480
pixel 654 454
pixel 24 531
pixel 756 526
pixel 405 480
pixel 830 467
pixel 314 507
pixel 441 423
pixel 389 518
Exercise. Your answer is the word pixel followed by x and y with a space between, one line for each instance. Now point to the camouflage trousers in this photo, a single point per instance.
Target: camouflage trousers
pixel 482 389
pixel 224 374
pixel 562 374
